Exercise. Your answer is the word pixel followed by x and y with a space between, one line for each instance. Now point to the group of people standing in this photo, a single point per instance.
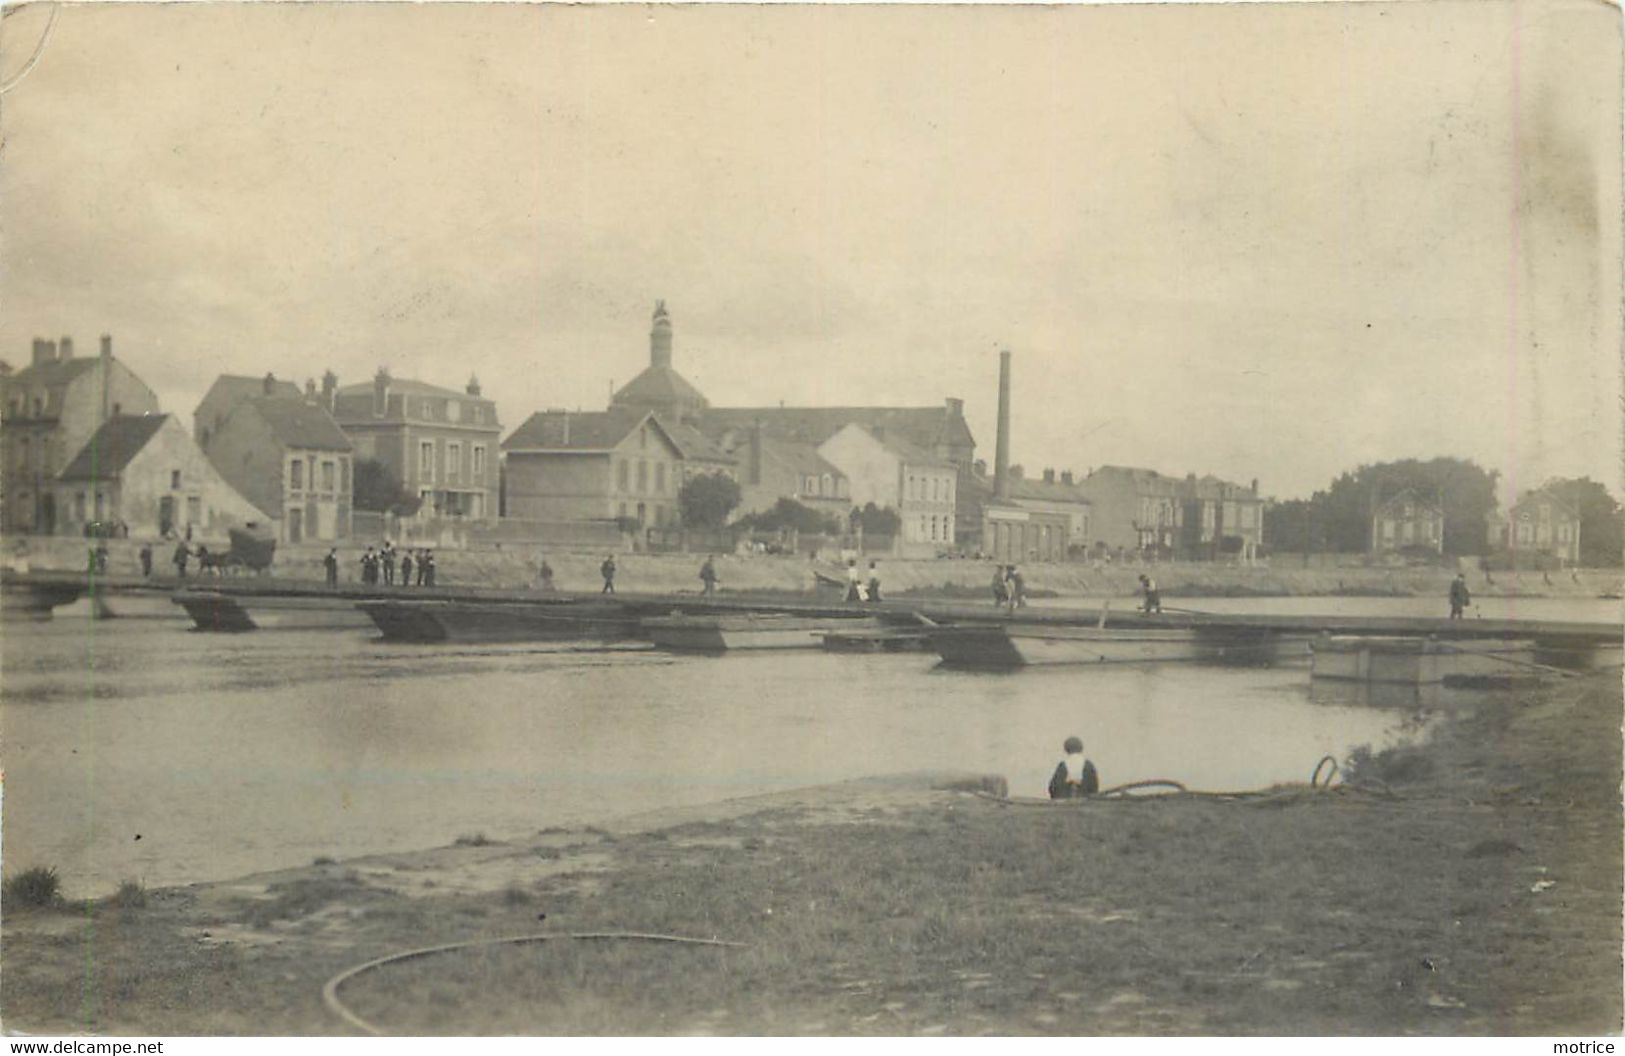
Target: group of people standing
pixel 1009 588
pixel 378 567
pixel 859 588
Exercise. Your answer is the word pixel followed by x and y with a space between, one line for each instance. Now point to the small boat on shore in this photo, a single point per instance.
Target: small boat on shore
pixel 722 633
pixel 459 621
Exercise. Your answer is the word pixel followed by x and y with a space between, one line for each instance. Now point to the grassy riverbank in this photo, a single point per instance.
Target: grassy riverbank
pixel 1482 896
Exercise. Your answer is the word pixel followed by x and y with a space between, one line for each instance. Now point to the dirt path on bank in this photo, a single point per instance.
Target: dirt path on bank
pixel 1482 896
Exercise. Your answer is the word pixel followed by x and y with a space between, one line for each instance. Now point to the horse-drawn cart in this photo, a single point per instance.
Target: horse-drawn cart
pixel 252 549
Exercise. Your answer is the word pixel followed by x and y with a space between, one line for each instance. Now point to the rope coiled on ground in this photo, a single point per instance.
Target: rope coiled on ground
pixel 330 991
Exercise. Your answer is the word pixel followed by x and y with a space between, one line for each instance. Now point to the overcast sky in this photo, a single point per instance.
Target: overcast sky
pixel 1255 241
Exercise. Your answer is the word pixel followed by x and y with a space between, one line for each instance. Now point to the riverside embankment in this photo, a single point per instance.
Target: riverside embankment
pixel 510 566
pixel 1473 888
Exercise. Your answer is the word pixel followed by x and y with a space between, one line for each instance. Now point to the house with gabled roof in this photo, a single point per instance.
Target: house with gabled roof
pixel 1542 524
pixel 226 393
pixel 1406 520
pixel 289 458
pixel 939 432
pixel 143 476
pixel 440 443
pixel 48 411
pixel 893 472
pixel 599 465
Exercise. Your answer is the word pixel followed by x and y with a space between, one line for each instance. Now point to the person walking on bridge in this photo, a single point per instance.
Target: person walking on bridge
pixel 1018 589
pixel 331 563
pixel 607 570
pixel 1459 598
pixel 1153 596
pixel 708 576
pixel 182 555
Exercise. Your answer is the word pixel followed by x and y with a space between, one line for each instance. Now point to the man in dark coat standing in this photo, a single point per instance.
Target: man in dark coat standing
pixel 607 570
pixel 1459 598
pixel 331 563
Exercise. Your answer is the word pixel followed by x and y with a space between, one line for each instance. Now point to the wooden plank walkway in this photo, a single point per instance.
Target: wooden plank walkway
pixel 903 612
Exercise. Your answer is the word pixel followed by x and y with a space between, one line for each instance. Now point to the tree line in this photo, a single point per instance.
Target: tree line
pixel 1338 518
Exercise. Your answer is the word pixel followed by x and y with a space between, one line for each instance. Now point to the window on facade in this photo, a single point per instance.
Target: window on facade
pixel 344 474
pixel 426 460
pixel 479 463
pixel 643 437
pixel 643 477
pixel 621 479
pixel 194 510
pixel 174 480
pixel 826 486
pixel 22 456
pixel 79 506
pixel 454 461
pixel 296 474
pixel 809 487
pixel 330 475
pixel 660 477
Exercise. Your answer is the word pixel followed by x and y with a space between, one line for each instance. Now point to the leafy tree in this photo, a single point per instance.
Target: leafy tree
pixel 377 489
pixel 875 520
pixel 788 513
pixel 707 500
pixel 1290 526
pixel 1465 490
pixel 1602 523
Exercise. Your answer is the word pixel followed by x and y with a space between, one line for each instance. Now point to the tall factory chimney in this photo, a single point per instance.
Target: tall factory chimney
pixel 1001 452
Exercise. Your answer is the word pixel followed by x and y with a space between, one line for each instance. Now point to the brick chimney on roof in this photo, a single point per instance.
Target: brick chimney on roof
pixel 380 392
pixel 330 384
pixel 1001 449
pixel 107 346
pixel 473 388
pixel 268 384
pixel 1049 476
pixel 1066 476
pixel 44 351
pixel 65 348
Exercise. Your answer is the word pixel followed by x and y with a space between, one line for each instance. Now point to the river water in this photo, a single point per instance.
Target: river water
pixel 136 749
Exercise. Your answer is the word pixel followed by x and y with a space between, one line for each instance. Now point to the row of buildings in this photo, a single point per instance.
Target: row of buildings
pixel 86 448
pixel 1538 524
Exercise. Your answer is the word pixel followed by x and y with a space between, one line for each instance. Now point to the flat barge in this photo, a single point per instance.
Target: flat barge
pixel 727 632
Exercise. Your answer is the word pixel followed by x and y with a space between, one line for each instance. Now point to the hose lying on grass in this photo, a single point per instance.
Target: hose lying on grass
pixel 1320 780
pixel 330 991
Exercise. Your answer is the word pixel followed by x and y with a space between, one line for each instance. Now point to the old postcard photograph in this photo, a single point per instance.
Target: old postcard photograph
pixel 811 520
